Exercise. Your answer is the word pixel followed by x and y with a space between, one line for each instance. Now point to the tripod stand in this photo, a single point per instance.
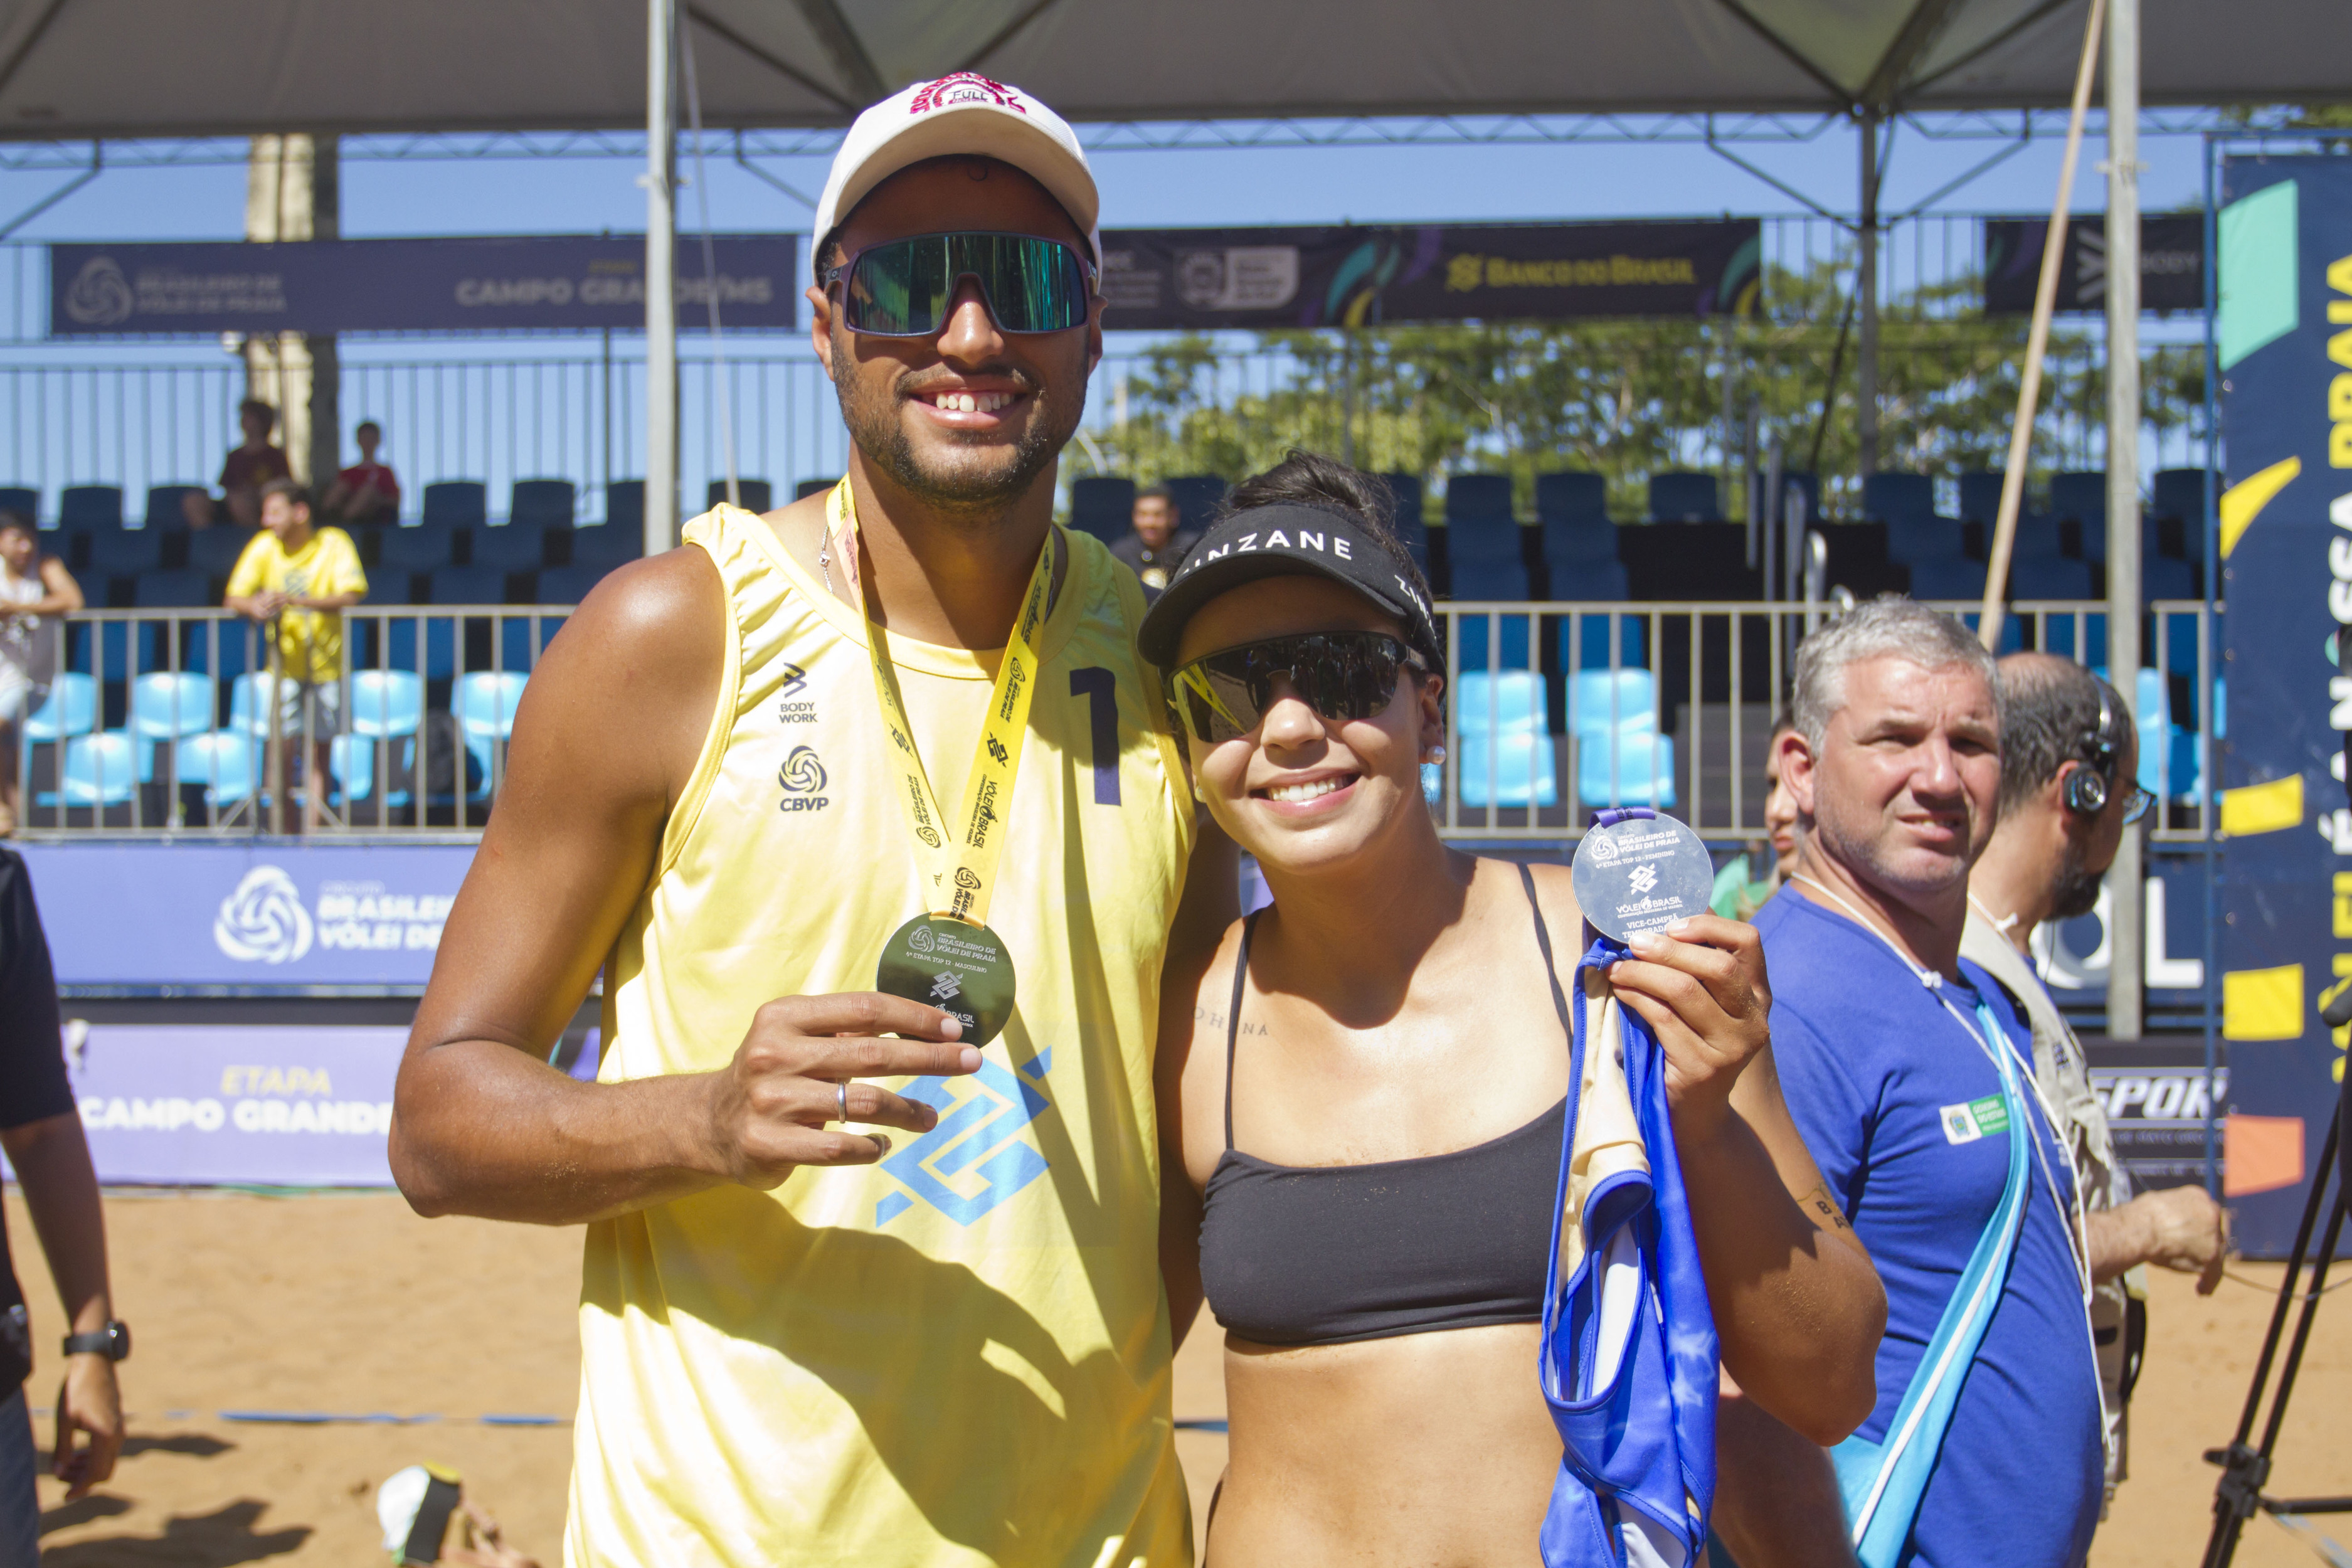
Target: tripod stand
pixel 2246 1469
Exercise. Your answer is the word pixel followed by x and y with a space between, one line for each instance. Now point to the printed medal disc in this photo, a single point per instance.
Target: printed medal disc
pixel 1641 874
pixel 953 965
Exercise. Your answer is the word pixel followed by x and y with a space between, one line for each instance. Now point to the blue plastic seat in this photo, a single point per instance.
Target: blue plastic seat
pixel 1491 580
pixel 541 504
pixel 1198 498
pixel 71 708
pixel 1572 497
pixel 123 552
pixel 1478 497
pixel 248 703
pixel 565 584
pixel 1980 497
pixel 99 770
pixel 1589 582
pixel 518 547
pixel 2048 577
pixel 215 550
pixel 186 590
pixel 1471 652
pixel 167 708
pixel 2162 577
pixel 1590 646
pixel 1504 751
pixel 227 763
pixel 1103 505
pixel 1914 539
pixel 165 507
pixel 2181 492
pixel 608 545
pixel 2038 537
pixel 466 585
pixel 1626 769
pixel 625 504
pixel 1612 701
pixel 416 549
pixel 2081 496
pixel 457 503
pixel 386 703
pixel 1948 579
pixel 350 761
pixel 1891 498
pixel 756 495
pixel 1682 496
pixel 22 499
pixel 91 507
pixel 1482 538
pixel 484 704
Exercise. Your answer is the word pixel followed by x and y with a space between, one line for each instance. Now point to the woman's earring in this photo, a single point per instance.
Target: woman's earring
pixel 1436 754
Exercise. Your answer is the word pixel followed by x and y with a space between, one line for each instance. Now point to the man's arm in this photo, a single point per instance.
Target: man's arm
pixel 607 735
pixel 52 1162
pixel 323 601
pixel 2179 1228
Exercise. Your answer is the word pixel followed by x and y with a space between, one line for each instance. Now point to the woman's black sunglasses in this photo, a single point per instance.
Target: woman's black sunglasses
pixel 905 288
pixel 1340 675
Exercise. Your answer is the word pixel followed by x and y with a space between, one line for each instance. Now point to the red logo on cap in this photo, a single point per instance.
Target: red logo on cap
pixel 965 87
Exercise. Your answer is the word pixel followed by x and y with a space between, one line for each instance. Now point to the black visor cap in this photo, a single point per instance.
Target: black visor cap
pixel 1288 542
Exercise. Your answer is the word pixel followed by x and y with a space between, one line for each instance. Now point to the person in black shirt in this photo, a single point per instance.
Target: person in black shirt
pixel 40 1130
pixel 1159 543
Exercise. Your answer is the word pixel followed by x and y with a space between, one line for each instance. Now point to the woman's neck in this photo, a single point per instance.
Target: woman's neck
pixel 1362 928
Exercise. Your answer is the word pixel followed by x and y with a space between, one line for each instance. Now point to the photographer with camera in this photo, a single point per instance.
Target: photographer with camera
pixel 2069 753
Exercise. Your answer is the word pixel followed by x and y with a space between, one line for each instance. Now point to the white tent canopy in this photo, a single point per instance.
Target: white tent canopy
pixel 75 68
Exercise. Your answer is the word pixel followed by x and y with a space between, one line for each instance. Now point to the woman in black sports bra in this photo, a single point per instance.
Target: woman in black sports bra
pixel 1362 1093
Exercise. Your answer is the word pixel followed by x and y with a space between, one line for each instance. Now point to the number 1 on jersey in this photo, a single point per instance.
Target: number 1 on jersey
pixel 1100 689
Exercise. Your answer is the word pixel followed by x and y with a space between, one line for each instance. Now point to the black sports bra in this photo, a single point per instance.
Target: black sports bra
pixel 1325 1254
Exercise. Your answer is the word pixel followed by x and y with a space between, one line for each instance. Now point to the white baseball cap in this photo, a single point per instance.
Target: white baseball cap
pixel 963 113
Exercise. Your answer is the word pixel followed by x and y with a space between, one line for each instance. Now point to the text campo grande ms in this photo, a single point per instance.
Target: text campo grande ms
pixel 251 1100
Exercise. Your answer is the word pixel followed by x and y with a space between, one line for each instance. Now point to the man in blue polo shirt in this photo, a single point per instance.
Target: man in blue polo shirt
pixel 1907 1070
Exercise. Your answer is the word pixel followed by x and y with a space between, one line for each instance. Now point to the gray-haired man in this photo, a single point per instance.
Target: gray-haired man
pixel 2069 752
pixel 1908 1069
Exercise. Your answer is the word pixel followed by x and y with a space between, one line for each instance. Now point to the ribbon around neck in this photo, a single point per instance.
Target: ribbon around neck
pixel 959 859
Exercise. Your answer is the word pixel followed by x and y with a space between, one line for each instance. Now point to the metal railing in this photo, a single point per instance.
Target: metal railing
pixel 183 722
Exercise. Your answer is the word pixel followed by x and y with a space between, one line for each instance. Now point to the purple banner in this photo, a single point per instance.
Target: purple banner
pixel 244 917
pixel 204 1106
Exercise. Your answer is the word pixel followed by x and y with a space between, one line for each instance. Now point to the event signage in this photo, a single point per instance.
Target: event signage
pixel 2283 335
pixel 2171 263
pixel 502 284
pixel 244 916
pixel 1212 279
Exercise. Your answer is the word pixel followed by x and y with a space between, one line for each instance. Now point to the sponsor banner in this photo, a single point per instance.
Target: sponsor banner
pixel 189 1105
pixel 502 284
pixel 245 916
pixel 1210 278
pixel 2171 264
pixel 2155 1094
pixel 2285 339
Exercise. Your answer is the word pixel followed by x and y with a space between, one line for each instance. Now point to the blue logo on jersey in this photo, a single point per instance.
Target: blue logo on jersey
pixel 979 1135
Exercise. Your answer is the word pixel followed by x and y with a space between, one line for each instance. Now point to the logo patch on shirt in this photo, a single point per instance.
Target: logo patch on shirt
pixel 801 778
pixel 792 708
pixel 1975 1120
pixel 975 1158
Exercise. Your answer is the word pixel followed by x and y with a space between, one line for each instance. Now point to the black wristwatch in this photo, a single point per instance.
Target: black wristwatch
pixel 112 1341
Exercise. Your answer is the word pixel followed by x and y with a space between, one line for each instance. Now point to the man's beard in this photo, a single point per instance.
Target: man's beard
pixel 957 489
pixel 2076 892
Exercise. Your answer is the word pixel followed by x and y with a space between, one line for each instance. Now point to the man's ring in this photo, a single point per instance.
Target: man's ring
pixel 841 1090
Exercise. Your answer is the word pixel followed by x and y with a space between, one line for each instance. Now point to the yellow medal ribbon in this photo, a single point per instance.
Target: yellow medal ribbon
pixel 960 859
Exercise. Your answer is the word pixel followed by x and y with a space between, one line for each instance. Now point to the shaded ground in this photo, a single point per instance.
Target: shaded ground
pixel 352 1304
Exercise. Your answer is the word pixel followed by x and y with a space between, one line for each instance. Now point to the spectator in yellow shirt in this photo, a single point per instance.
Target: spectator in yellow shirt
pixel 302 578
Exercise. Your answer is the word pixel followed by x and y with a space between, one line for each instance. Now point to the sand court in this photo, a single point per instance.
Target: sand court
pixel 350 1305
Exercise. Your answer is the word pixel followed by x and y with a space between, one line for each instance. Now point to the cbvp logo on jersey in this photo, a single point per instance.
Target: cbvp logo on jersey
pixel 802 780
pixel 974 1159
pixel 264 921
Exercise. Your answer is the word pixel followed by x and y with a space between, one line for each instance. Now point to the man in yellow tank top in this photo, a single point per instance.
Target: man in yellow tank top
pixel 868 812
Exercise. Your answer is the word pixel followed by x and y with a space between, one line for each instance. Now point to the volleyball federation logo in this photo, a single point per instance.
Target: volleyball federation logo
pixel 801 779
pixel 99 296
pixel 264 921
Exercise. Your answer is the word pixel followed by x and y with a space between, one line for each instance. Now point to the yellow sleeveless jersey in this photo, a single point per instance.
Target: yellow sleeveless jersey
pixel 959 1356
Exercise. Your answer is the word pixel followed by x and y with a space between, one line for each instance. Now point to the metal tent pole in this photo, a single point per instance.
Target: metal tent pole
pixel 661 283
pixel 1865 284
pixel 2125 884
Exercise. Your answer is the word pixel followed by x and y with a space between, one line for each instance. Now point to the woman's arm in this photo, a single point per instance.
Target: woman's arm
pixel 64 596
pixel 1798 1307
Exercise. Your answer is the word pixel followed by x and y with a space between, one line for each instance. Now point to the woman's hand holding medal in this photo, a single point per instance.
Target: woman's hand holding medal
pixel 797 1071
pixel 1700 985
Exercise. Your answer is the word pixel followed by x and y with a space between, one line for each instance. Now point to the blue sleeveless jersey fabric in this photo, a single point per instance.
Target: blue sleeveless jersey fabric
pixel 1638 1473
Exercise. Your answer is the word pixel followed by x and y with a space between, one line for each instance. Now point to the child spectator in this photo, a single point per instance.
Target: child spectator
pixel 367 491
pixel 244 472
pixel 302 578
pixel 34 592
